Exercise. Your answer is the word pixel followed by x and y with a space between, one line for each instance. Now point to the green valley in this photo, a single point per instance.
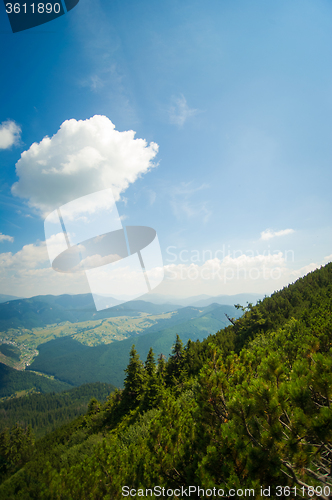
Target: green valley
pixel 91 333
pixel 69 360
pixel 97 349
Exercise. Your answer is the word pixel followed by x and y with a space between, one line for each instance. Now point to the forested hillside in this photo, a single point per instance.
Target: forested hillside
pixel 14 381
pixel 46 412
pixel 247 408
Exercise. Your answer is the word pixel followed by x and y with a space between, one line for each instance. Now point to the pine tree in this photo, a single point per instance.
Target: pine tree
pixel 93 406
pixel 175 362
pixel 16 448
pixel 161 367
pixel 134 381
pixel 150 364
pixel 154 382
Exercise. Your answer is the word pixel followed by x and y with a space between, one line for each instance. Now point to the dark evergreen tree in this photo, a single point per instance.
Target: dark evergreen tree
pixel 16 448
pixel 153 384
pixel 161 366
pixel 134 381
pixel 150 364
pixel 175 363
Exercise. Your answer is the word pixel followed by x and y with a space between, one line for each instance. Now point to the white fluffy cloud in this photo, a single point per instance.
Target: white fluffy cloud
pixel 10 134
pixel 268 234
pixel 83 157
pixel 5 237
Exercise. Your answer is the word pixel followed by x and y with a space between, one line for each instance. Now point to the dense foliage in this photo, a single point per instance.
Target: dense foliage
pixel 12 381
pixel 249 407
pixel 10 351
pixel 46 412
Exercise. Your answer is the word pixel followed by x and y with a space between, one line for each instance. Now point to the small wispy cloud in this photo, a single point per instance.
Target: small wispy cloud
pixel 5 237
pixel 152 196
pixel 268 234
pixel 94 82
pixel 180 112
pixel 105 71
pixel 10 134
pixel 106 76
pixel 22 214
pixel 183 204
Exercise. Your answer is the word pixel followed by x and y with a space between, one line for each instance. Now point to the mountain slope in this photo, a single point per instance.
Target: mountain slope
pixel 257 419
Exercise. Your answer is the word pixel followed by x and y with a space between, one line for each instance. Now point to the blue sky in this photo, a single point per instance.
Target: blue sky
pixel 237 96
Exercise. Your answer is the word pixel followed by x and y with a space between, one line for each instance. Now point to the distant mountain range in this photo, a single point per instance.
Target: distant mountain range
pixel 6 298
pixel 45 310
pixel 74 363
pixel 42 310
pixel 203 300
pixel 70 361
